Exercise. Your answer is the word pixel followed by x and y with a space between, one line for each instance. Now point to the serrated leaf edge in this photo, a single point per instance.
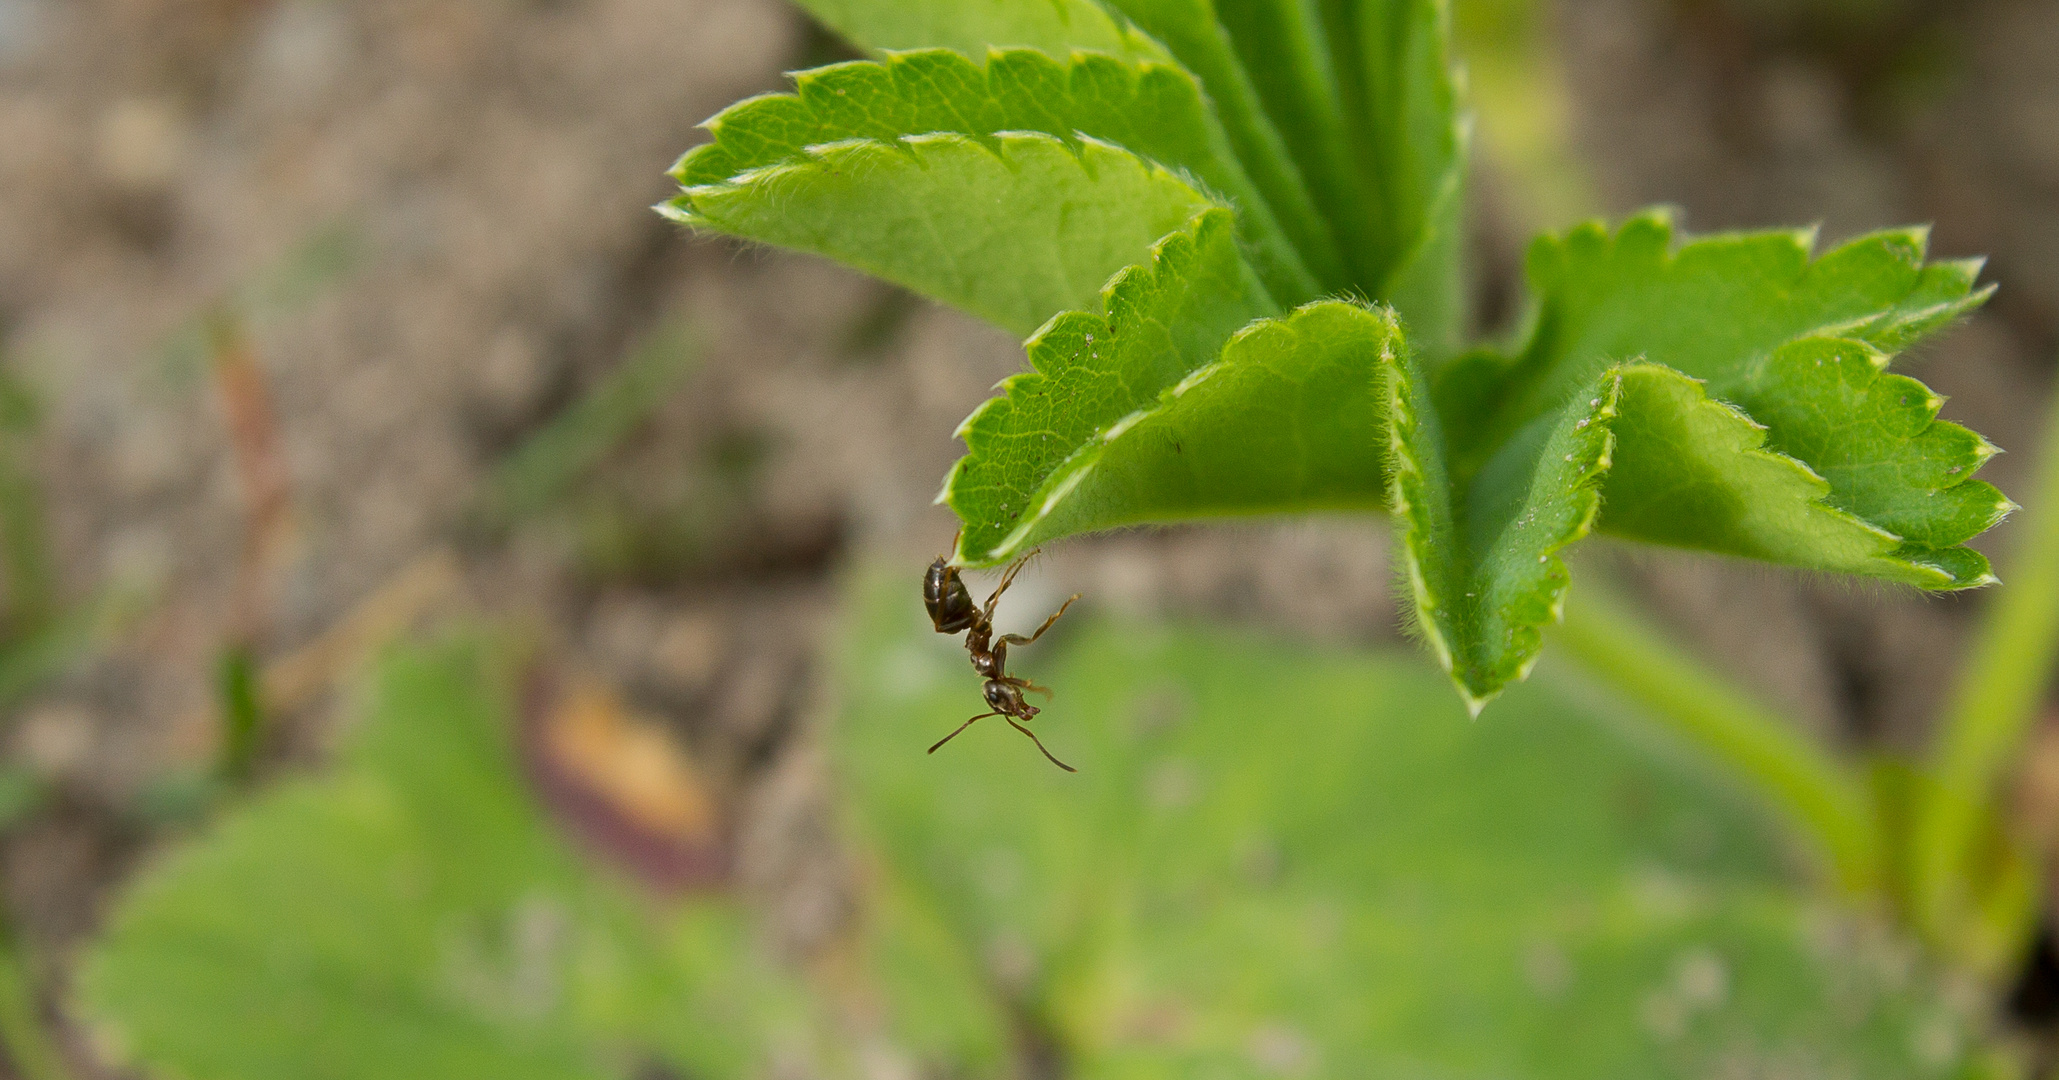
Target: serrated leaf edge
pixel 1880 362
pixel 823 156
pixel 1407 475
pixel 1269 246
pixel 1526 630
pixel 1136 277
pixel 1076 467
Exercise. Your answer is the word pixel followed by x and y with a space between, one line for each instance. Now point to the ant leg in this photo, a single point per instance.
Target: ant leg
pixel 1033 688
pixel 961 727
pixel 1018 639
pixel 1040 743
pixel 1008 579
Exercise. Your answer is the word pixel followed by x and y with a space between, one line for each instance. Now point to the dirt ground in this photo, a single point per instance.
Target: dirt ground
pixel 473 181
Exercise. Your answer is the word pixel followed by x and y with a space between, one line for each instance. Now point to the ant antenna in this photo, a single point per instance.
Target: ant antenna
pixel 962 727
pixel 1033 738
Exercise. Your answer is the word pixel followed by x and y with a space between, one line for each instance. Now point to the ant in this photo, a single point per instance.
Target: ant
pixel 951 610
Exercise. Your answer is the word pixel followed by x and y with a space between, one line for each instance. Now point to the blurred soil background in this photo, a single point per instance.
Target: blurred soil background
pixel 323 320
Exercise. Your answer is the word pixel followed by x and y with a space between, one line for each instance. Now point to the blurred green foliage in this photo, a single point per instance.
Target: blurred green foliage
pixel 1277 860
pixel 415 915
pixel 1523 107
pixel 1379 887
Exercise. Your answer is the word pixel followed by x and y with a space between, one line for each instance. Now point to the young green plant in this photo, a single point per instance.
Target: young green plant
pixel 1230 232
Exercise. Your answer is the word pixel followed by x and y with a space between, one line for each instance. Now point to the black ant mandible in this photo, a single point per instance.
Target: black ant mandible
pixel 951 610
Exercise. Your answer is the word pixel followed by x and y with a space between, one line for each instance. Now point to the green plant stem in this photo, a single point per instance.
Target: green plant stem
pixel 2006 677
pixel 1825 802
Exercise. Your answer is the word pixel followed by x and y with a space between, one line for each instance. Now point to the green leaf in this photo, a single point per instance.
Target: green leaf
pixel 415 916
pixel 1377 889
pixel 1061 27
pixel 1412 137
pixel 971 27
pixel 1727 394
pixel 1282 45
pixel 1876 438
pixel 1695 472
pixel 1482 560
pixel 1164 321
pixel 1365 95
pixel 1748 430
pixel 1655 459
pixel 1194 35
pixel 1710 308
pixel 191 985
pixel 943 214
pixel 1153 109
pixel 1277 425
pixel 1175 405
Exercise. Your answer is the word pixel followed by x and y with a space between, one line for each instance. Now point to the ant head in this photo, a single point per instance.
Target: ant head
pixel 943 592
pixel 1007 698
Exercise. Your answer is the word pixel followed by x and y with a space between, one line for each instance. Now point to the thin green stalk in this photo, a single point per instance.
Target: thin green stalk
pixel 1996 701
pixel 1825 802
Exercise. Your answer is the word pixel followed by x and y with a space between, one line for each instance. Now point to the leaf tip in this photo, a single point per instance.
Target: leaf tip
pixel 1918 237
pixel 679 164
pixel 1474 702
pixel 1664 216
pixel 1806 237
pixel 678 209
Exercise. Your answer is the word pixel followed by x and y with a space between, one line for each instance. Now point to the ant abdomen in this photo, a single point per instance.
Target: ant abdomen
pixel 950 606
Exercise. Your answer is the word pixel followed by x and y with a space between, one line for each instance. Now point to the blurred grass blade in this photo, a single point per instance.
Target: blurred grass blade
pixel 545 467
pixel 236 691
pixel 46 652
pixel 2007 676
pixel 1822 801
pixel 22 792
pixel 321 259
pixel 25 553
pixel 28 1047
